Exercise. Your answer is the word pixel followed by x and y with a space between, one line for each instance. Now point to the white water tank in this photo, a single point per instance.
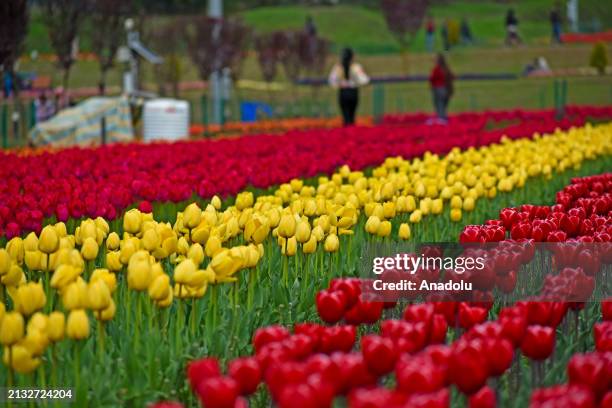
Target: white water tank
pixel 165 119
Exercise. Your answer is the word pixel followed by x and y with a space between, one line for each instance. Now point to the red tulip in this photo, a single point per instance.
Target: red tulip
pixel 539 342
pixel 418 375
pixel 563 396
pixel 331 305
pixel 302 395
pixel 592 370
pixel 469 316
pixel 485 398
pixel 166 404
pixel 338 338
pixel 379 354
pixel 218 392
pixel 438 399
pixel 468 366
pixel 199 370
pixel 606 309
pixel 246 373
pixel 267 335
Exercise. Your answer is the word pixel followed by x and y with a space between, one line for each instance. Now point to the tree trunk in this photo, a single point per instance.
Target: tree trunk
pixel 102 84
pixel 65 78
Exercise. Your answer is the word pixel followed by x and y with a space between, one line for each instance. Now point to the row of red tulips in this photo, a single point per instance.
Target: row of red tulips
pixel 105 181
pixel 317 363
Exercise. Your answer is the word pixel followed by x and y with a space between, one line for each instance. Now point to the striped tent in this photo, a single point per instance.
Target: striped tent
pixel 81 125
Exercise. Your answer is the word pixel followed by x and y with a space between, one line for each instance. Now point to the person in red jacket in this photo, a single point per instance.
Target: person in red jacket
pixel 441 81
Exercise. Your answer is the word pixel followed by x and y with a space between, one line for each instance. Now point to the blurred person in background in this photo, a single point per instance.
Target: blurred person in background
pixel 309 27
pixel 45 108
pixel 466 32
pixel 347 76
pixel 442 87
pixel 430 31
pixel 444 33
pixel 512 34
pixel 555 24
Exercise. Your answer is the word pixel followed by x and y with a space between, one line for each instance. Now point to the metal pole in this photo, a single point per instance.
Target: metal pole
pixel 215 10
pixel 103 130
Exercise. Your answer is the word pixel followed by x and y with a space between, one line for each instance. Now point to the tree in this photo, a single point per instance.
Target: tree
pixel 13 28
pixel 63 19
pixel 166 40
pixel 216 44
pixel 404 18
pixel 269 47
pixel 107 19
pixel 599 58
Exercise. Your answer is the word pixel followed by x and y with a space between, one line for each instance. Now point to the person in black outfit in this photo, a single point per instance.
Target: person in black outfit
pixel 347 76
pixel 555 22
pixel 512 34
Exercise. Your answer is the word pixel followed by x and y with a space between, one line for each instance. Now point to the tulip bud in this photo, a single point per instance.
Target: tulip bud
pixel 108 313
pixel 113 261
pixel 404 231
pixel 150 240
pixel 302 232
pixel 159 288
pixel 77 326
pixel 213 246
pixel 29 298
pixel 286 226
pixel 216 202
pixel 74 296
pixel 127 250
pixel 11 328
pixel 55 326
pixel 98 295
pixel 437 206
pixel 139 274
pixel 49 240
pixel 63 275
pixel 30 243
pixel 89 250
pixel 468 204
pixel 13 277
pixel 5 261
pixel 389 209
pixel 109 279
pixel 332 243
pixel 456 202
pixel 310 246
pixel 192 216
pixel 372 224
pixel 196 254
pixel 16 250
pixel 416 216
pixel 384 229
pixel 34 260
pixel 291 247
pixel 455 214
pixel 113 241
pixel 132 221
pixel 22 359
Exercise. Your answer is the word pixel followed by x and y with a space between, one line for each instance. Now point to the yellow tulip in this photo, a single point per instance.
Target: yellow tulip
pixel 113 261
pixel 98 295
pixel 213 246
pixel 5 261
pixel 302 232
pixel 332 243
pixel 21 360
pixel 35 260
pixel 11 328
pixel 384 229
pixel 192 216
pixel 372 224
pixel 404 231
pixel 13 277
pixel 89 250
pixel 415 216
pixel 455 214
pixel 244 200
pixel 63 275
pixel 159 288
pixel 165 302
pixel 139 274
pixel 389 209
pixel 151 240
pixel 287 226
pixel 468 204
pixel 74 296
pixel 29 298
pixel 310 246
pixel 2 310
pixel 216 202
pixel 30 243
pixel 35 341
pixel 132 220
pixel 55 326
pixel 16 250
pixel 318 233
pixel 456 202
pixel 49 240
pixel 77 325
pixel 196 253
pixel 184 270
pixel 437 206
pixel 109 278
pixel 290 248
pixel 107 314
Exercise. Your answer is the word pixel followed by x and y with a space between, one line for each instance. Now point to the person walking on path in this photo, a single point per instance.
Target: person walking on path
pixel 512 34
pixel 555 23
pixel 347 76
pixel 430 32
pixel 441 81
